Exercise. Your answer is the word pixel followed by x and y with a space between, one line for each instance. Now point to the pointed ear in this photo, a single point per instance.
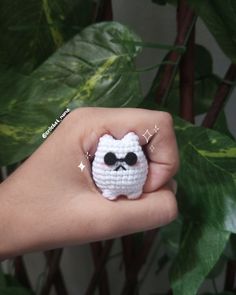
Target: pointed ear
pixel 131 136
pixel 106 137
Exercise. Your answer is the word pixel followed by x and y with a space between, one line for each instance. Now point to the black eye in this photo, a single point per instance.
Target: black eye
pixel 110 159
pixel 131 159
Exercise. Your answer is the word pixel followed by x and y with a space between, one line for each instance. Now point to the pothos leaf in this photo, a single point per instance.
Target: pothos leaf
pixel 89 70
pixel 207 202
pixel 32 30
pixel 200 248
pixel 219 16
pixel 209 166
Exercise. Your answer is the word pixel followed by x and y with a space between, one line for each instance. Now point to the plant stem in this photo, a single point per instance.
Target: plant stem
pixel 103 11
pixel 214 286
pixel 99 270
pixel 186 77
pixel 222 93
pixel 129 257
pixel 135 261
pixel 185 27
pixel 53 265
pixel 230 276
pixel 21 273
pixel 97 249
pixel 143 253
pixel 58 279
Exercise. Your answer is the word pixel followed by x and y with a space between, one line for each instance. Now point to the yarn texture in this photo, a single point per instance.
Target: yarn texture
pixel 120 166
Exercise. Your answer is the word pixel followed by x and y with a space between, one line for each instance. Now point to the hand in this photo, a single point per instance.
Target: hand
pixel 49 202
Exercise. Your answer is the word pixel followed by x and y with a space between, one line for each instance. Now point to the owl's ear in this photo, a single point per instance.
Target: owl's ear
pixel 131 136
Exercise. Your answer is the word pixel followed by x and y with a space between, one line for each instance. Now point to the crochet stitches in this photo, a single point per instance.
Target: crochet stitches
pixel 120 166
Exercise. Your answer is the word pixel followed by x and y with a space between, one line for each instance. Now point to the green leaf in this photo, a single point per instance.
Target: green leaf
pixel 161 263
pixel 203 62
pixel 89 70
pixel 2 278
pixel 220 18
pixel 221 125
pixel 200 248
pixel 170 237
pixel 230 251
pixel 15 291
pixel 32 30
pixel 208 164
pixel 207 202
pixel 9 286
pixel 218 267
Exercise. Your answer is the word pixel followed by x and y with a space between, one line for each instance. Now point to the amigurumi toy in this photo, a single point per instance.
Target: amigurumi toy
pixel 120 166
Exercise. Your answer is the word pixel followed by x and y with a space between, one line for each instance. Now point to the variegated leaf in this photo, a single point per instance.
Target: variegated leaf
pixel 89 70
pixel 33 30
pixel 207 202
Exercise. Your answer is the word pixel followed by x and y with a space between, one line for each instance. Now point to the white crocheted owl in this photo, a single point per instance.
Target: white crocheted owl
pixel 120 166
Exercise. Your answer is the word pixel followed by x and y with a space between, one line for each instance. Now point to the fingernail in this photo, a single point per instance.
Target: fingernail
pixel 173 185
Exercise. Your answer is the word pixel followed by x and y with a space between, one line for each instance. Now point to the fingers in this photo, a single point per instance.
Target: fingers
pixel 152 210
pixel 173 185
pixel 162 150
pixel 161 147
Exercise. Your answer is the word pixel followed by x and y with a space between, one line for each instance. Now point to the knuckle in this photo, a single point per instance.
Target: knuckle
pixel 171 208
pixel 166 118
pixel 78 115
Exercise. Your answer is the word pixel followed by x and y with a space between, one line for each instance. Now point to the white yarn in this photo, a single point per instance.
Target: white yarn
pixel 127 182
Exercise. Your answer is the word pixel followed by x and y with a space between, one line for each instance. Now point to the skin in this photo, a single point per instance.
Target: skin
pixel 48 202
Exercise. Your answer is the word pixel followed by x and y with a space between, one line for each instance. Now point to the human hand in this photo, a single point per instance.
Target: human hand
pixel 49 202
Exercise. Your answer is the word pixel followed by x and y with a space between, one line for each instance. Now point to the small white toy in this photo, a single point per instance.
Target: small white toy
pixel 120 166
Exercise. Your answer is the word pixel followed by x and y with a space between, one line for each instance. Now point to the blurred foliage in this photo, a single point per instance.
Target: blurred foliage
pixel 10 286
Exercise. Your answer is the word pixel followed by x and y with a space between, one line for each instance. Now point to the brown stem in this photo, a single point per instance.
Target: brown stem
pixel 135 261
pixel 186 77
pixel 58 280
pixel 53 266
pixel 59 284
pixel 99 270
pixel 185 27
pixel 221 96
pixel 97 249
pixel 103 11
pixel 21 273
pixel 149 239
pixel 182 9
pixel 129 257
pixel 230 276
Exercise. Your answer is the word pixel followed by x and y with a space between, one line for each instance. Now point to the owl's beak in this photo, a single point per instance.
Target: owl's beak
pixel 120 166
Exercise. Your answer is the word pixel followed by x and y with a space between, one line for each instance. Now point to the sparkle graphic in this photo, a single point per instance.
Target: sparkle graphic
pixel 147 135
pixel 81 166
pixel 152 148
pixel 87 155
pixel 156 129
